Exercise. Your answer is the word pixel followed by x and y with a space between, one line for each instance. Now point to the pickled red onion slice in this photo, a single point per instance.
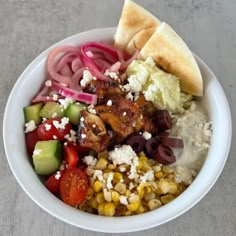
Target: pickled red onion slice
pixel 51 60
pixel 73 94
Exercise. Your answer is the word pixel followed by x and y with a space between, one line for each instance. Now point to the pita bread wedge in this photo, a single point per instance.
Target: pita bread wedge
pixel 136 25
pixel 170 52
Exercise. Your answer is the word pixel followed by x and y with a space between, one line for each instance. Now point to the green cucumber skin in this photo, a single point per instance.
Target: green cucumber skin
pixel 50 108
pixel 73 112
pixel 32 113
pixel 48 161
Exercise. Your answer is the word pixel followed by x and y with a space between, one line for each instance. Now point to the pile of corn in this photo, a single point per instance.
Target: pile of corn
pixel 125 196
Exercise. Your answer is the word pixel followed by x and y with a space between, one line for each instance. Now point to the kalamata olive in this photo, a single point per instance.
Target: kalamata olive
pixel 151 146
pixel 163 120
pixel 137 143
pixel 164 155
pixel 172 142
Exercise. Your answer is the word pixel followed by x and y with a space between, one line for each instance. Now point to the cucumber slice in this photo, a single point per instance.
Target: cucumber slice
pixel 32 113
pixel 47 157
pixel 73 112
pixel 52 110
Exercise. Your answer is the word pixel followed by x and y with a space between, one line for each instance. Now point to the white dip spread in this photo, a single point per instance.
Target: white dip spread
pixel 194 127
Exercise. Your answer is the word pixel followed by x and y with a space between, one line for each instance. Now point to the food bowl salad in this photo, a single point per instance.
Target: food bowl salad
pixel 117 132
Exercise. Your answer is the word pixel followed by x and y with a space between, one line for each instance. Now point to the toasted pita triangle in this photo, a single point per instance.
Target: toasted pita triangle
pixel 135 27
pixel 170 52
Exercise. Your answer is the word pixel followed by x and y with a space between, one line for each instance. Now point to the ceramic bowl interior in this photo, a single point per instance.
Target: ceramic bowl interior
pixel 13 134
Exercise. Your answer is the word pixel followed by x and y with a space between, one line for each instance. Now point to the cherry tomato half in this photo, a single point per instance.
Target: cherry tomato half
pixel 71 157
pixel 74 186
pixel 53 182
pixel 49 131
pixel 31 139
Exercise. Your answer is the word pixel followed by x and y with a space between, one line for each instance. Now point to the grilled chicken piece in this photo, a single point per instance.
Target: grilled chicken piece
pixel 147 108
pixel 92 132
pixel 123 116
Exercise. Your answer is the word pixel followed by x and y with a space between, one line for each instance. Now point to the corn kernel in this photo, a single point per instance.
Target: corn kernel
pixel 154 203
pixel 97 186
pixel 109 209
pixel 100 198
pixel 145 166
pixel 133 206
pixel 115 196
pixel 167 198
pixel 93 203
pixel 101 164
pixel 164 187
pixel 128 213
pixel 141 209
pixel 120 188
pixel 151 162
pixel 167 169
pixel 149 196
pixel 143 158
pixel 159 174
pixel 101 210
pixel 111 166
pixel 89 171
pixel 156 168
pixel 90 193
pixel 127 193
pixel 134 198
pixel 171 177
pixel 117 177
pixel 107 195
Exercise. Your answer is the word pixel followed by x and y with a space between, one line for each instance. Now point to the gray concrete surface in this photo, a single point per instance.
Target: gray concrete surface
pixel 27 27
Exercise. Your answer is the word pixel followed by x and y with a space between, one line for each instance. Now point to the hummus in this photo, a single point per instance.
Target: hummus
pixel 194 127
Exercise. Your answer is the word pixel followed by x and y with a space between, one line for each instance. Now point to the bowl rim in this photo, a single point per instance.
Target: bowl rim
pixel 117 224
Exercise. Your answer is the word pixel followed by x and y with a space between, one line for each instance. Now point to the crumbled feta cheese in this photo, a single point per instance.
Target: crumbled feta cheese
pixel 91 109
pixel 131 186
pixel 94 126
pixel 64 122
pixel 111 74
pixel 148 176
pixel 54 114
pixel 90 160
pixel 146 135
pixel 122 168
pixel 87 77
pixel 134 84
pixel 37 152
pixel 83 135
pixel 109 180
pixel 54 137
pixel 124 113
pixel 98 174
pixel 30 126
pixel 82 119
pixel 122 155
pixel 58 175
pixel 48 127
pixel 125 155
pixel 55 97
pixel 71 136
pixel 48 83
pixel 109 102
pixel 123 200
pixel 65 102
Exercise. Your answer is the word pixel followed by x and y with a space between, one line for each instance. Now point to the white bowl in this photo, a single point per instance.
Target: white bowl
pixel 13 134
